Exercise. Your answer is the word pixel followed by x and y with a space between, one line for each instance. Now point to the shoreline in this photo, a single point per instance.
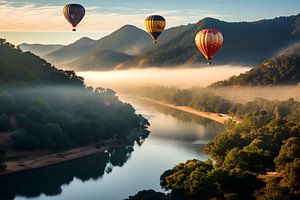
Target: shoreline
pixel 207 115
pixel 14 167
pixel 52 159
pixel 37 162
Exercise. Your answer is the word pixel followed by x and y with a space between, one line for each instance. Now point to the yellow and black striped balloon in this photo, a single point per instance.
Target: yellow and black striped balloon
pixel 155 25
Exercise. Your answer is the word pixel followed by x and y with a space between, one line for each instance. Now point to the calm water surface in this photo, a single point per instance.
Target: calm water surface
pixel 175 137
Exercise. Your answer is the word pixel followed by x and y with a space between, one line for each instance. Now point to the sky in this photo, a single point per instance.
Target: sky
pixel 42 21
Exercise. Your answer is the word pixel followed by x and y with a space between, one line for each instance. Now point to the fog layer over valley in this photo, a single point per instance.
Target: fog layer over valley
pixel 129 81
pixel 184 77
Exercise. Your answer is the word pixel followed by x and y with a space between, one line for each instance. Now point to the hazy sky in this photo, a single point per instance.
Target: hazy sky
pixel 41 21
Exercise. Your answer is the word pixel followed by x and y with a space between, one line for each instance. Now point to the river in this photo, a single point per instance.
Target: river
pixel 174 137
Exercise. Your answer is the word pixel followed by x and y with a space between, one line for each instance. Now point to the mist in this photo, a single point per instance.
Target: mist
pixel 122 80
pixel 127 81
pixel 246 94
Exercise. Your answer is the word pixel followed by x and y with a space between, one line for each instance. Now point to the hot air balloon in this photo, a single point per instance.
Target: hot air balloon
pixel 209 41
pixel 155 25
pixel 74 13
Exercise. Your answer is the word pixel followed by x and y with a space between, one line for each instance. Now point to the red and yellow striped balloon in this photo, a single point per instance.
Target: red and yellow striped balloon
pixel 209 41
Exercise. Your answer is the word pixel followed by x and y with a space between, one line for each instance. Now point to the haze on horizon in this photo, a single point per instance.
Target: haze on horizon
pixel 183 77
pixel 33 21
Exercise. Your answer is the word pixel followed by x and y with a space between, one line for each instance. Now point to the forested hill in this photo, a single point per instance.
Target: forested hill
pixel 18 68
pixel 283 69
pixel 265 139
pixel 43 108
pixel 244 42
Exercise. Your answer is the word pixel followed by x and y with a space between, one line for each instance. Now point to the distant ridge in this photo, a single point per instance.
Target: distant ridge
pixel 40 49
pixel 283 69
pixel 245 43
pixel 71 52
pixel 126 40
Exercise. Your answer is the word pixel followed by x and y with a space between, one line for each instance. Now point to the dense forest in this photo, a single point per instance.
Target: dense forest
pixel 257 157
pixel 43 108
pixel 283 69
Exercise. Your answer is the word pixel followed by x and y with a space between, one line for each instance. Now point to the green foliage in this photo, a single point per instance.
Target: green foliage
pixel 5 124
pixel 53 109
pixel 200 98
pixel 2 159
pixel 7 103
pixel 23 140
pixel 266 139
pixel 273 191
pixel 288 152
pixel 148 195
pixel 196 179
pixel 280 70
pixel 254 161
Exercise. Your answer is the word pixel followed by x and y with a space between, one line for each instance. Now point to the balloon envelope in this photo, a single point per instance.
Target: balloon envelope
pixel 209 41
pixel 155 25
pixel 74 13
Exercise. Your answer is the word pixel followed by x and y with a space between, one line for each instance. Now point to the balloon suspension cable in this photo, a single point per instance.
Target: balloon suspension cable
pixel 209 62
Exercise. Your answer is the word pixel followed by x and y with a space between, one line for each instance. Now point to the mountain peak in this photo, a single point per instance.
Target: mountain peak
pixel 85 39
pixel 128 28
pixel 209 20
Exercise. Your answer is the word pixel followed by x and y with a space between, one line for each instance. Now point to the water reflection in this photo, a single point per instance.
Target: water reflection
pixel 175 137
pixel 171 124
pixel 49 180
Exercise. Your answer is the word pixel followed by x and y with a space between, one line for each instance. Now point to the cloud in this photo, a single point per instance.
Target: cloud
pixel 49 18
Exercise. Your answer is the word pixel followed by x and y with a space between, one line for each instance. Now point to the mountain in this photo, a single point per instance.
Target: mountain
pixel 101 60
pixel 283 69
pixel 40 49
pixel 19 68
pixel 71 52
pixel 244 42
pixel 127 40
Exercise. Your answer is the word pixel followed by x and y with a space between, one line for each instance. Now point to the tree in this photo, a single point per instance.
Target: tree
pixel 7 103
pixel 288 153
pixel 2 159
pixel 148 195
pixel 23 140
pixel 5 124
pixel 273 191
pixel 196 179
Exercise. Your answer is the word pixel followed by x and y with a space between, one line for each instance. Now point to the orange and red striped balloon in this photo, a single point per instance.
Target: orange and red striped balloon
pixel 209 41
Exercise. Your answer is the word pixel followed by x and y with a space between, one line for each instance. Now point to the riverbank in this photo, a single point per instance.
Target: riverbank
pixel 51 159
pixel 76 153
pixel 44 160
pixel 217 117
